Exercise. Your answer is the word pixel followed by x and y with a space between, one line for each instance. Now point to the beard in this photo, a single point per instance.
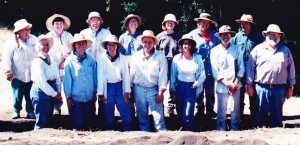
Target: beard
pixel 272 43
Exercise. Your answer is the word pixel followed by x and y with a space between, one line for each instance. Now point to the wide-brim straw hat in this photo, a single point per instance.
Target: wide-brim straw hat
pixel 246 18
pixel 94 14
pixel 49 22
pixel 225 29
pixel 205 16
pixel 111 38
pixel 148 33
pixel 21 24
pixel 186 37
pixel 77 38
pixel 45 37
pixel 273 28
pixel 169 17
pixel 129 17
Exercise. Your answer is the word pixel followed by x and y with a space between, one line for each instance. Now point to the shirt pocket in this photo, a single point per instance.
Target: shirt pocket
pixel 154 70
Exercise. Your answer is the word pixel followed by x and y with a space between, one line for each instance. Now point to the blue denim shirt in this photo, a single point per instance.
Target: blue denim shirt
pixel 80 80
pixel 204 49
pixel 130 43
pixel 247 43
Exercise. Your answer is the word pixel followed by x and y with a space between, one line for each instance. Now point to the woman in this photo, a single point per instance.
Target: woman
pixel 129 38
pixel 168 43
pixel 114 84
pixel 57 25
pixel 18 53
pixel 130 43
pixel 80 82
pixel 46 82
pixel 187 76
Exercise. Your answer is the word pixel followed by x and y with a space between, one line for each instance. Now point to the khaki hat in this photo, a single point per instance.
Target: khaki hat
pixel 225 29
pixel 246 18
pixel 187 37
pixel 205 16
pixel 44 37
pixel 49 22
pixel 94 14
pixel 21 24
pixel 273 28
pixel 111 38
pixel 79 37
pixel 130 16
pixel 148 33
pixel 170 17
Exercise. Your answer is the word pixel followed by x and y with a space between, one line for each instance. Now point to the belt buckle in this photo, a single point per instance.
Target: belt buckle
pixel 272 86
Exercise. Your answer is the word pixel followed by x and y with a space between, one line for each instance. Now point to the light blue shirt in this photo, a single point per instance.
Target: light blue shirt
pixel 80 80
pixel 204 49
pixel 198 76
pixel 227 64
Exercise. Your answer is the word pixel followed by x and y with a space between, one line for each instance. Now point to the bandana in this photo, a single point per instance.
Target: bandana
pixel 112 59
pixel 46 60
pixel 80 59
pixel 206 36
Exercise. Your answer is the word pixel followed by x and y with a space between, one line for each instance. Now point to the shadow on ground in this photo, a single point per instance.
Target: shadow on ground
pixel 202 123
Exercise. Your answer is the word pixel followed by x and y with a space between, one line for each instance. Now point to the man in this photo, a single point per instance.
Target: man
pixel 270 68
pixel 96 34
pixel 205 41
pixel 247 39
pixel 228 69
pixel 148 77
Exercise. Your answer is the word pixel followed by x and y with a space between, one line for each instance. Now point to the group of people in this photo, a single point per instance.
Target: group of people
pixel 133 72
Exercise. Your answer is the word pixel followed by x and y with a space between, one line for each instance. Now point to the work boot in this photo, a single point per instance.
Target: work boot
pixel 15 115
pixel 30 115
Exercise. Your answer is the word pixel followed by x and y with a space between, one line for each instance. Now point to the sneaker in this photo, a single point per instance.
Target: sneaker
pixel 57 112
pixel 15 115
pixel 30 115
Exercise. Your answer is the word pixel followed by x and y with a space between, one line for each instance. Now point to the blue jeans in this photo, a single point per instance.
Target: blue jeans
pixel 80 114
pixel 269 100
pixel 20 89
pixel 209 91
pixel 144 98
pixel 115 97
pixel 185 104
pixel 43 105
pixel 234 115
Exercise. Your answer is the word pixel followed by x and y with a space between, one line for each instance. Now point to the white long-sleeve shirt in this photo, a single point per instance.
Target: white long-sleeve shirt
pixel 112 72
pixel 226 64
pixel 18 60
pixel 151 72
pixel 41 72
pixel 96 49
pixel 60 45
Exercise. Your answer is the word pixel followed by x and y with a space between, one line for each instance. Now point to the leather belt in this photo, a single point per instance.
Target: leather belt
pixel 274 85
